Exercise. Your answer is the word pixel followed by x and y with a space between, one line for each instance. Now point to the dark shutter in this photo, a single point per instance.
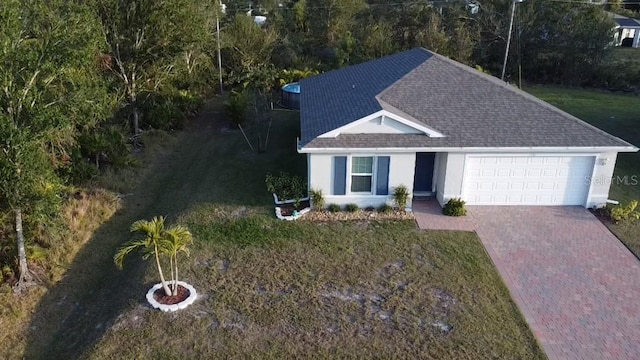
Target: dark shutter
pixel 382 176
pixel 339 175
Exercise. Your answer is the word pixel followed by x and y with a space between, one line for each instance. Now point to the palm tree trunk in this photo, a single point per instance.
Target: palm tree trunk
pixel 175 288
pixel 173 278
pixel 167 291
pixel 25 275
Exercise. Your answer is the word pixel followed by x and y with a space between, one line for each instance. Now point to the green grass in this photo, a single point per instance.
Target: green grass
pixel 269 288
pixel 619 115
pixel 343 289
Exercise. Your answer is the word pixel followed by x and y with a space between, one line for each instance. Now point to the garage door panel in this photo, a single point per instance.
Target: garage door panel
pixel 537 180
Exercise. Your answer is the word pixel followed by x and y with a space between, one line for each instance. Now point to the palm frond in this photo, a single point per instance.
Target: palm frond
pixel 127 248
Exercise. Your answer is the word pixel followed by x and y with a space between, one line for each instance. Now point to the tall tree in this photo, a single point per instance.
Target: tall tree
pixel 563 42
pixel 147 38
pixel 49 90
pixel 248 49
pixel 330 19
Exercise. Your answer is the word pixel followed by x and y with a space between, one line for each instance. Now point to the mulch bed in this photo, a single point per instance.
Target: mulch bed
pixel 287 209
pixel 325 215
pixel 161 297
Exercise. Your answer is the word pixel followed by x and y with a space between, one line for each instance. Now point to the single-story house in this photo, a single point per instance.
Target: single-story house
pixel 441 128
pixel 627 31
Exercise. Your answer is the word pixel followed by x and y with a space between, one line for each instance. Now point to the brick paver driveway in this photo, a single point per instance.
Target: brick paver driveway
pixel 576 284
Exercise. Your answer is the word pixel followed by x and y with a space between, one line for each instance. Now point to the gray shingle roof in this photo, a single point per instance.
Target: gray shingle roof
pixel 470 108
pixel 627 22
pixel 338 97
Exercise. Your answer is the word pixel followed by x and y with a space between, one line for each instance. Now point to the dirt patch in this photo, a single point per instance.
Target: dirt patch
pixel 131 319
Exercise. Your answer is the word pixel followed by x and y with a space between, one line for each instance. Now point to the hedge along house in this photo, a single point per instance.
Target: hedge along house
pixel 441 128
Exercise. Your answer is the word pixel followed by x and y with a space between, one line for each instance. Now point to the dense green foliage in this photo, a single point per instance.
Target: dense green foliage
pixel 317 199
pixel 286 186
pixel 454 207
pixel 72 75
pixel 620 213
pixel 401 196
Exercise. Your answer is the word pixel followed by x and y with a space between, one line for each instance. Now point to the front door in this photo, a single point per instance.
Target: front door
pixel 423 179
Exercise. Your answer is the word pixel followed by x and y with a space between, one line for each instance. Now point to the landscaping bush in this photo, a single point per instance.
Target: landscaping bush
pixel 385 209
pixel 334 208
pixel 286 186
pixel 317 199
pixel 455 207
pixel 620 213
pixel 401 196
pixel 351 207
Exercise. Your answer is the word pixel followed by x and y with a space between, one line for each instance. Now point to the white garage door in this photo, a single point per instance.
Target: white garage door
pixel 526 180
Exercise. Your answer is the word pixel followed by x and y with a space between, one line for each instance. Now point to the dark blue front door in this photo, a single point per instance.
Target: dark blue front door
pixel 423 179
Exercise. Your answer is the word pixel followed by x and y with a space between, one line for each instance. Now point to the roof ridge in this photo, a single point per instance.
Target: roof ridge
pixel 525 95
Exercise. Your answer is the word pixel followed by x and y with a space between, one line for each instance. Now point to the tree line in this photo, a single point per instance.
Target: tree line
pixel 81 80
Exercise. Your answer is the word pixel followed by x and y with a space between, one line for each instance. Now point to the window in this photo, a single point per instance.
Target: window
pixel 361 174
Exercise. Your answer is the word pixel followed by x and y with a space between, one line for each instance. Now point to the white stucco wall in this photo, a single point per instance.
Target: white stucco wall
pixel 440 172
pixel 602 178
pixel 448 176
pixel 321 173
pixel 381 125
pixel 454 174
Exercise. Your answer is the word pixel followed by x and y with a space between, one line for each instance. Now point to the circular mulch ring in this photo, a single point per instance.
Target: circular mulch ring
pixel 161 297
pixel 159 300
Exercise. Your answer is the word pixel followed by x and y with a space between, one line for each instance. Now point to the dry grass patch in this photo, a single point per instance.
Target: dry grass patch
pixel 342 289
pixel 84 212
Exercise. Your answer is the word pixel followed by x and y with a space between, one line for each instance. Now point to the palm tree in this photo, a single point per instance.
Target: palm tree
pixel 177 238
pixel 154 243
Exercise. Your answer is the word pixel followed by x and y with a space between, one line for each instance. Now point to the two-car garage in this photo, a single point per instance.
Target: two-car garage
pixel 527 179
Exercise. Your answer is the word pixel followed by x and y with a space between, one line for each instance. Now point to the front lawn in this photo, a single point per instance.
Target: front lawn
pixel 619 115
pixel 342 289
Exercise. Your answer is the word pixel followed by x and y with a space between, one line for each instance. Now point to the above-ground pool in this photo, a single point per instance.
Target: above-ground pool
pixel 291 96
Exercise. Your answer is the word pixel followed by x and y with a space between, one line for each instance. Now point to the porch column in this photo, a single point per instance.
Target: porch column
pixel 636 37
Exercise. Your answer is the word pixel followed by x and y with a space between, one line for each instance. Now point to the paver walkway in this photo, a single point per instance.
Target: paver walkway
pixel 576 284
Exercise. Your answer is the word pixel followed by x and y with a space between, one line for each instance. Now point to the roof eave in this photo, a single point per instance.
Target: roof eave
pixel 546 149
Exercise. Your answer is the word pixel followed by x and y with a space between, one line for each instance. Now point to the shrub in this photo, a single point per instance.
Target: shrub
pixel 334 208
pixel 385 209
pixel 236 107
pixel 620 213
pixel 369 208
pixel 351 207
pixel 317 200
pixel 455 207
pixel 401 196
pixel 286 186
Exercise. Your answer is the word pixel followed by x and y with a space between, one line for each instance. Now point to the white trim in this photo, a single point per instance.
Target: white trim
pixel 590 189
pixel 383 113
pixel 582 149
pixel 531 155
pixel 434 178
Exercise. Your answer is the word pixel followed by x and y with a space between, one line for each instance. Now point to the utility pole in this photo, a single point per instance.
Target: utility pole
pixel 506 53
pixel 218 43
